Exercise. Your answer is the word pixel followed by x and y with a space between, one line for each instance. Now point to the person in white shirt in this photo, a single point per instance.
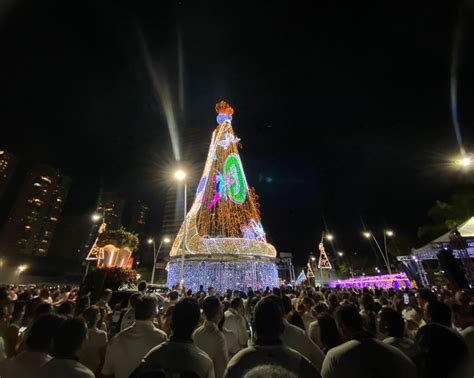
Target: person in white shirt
pixel 38 349
pixel 295 338
pixel 362 355
pixel 463 318
pixel 306 315
pixel 173 297
pixel 103 302
pixel 67 343
pixel 126 350
pixel 93 351
pixel 62 297
pixel 129 317
pixel 441 352
pixel 268 348
pixel 235 321
pixel 209 338
pixel 314 331
pixel 392 327
pixel 179 355
pixel 230 339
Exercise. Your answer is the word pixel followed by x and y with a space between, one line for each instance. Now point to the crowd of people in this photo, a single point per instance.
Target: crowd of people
pixel 281 332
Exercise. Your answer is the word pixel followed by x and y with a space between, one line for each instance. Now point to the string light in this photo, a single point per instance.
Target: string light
pixel 236 275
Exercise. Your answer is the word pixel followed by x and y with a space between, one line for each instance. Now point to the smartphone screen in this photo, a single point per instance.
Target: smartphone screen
pixel 406 299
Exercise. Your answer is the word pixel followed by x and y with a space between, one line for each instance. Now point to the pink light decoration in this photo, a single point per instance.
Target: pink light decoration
pixel 387 281
pixel 222 184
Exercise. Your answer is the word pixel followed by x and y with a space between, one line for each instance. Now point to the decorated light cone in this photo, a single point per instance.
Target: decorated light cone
pixel 222 238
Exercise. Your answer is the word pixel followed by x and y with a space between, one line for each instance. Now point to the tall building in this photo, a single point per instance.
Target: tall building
pixel 8 163
pixel 111 207
pixel 33 218
pixel 138 217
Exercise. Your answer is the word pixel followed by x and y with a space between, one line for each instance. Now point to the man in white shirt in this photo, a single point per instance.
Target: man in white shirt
pixel 67 343
pixel 38 348
pixel 268 348
pixel 209 338
pixel 129 317
pixel 392 327
pixel 297 339
pixel 463 318
pixel 173 297
pixel 103 302
pixel 93 350
pixel 233 346
pixel 362 355
pixel 127 349
pixel 235 321
pixel 179 355
pixel 314 331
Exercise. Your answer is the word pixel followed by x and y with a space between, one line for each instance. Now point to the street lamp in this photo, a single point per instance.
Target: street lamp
pixel 95 217
pixel 340 253
pixel 329 237
pixel 464 162
pixel 21 269
pixel 386 233
pixel 180 175
pixel 155 255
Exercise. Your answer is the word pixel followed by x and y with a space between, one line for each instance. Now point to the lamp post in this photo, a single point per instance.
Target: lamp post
pixel 21 269
pixel 180 175
pixel 390 234
pixel 369 235
pixel 155 255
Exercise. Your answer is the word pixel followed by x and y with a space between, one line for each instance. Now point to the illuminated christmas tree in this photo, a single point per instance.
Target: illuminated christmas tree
pixel 323 262
pixel 222 238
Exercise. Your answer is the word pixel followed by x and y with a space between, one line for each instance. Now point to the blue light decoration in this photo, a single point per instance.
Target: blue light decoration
pixel 223 275
pixel 202 185
pixel 222 185
pixel 222 117
pixel 229 138
pixel 253 231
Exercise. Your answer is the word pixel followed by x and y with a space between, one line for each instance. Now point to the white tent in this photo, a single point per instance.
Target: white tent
pixel 466 230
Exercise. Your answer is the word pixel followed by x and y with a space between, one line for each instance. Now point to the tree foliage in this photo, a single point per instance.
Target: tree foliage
pixel 445 216
pixel 119 238
pixel 400 245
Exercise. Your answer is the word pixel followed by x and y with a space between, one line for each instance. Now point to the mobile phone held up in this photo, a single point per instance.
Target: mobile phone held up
pixel 406 298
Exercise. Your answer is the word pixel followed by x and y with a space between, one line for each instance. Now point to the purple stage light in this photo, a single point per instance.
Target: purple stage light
pixel 387 281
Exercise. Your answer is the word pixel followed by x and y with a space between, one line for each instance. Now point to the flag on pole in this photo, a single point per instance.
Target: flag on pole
pixel 301 278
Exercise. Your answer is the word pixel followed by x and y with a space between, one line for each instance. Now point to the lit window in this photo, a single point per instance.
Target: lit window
pixel 27 227
pixel 46 178
pixel 59 200
pixel 54 219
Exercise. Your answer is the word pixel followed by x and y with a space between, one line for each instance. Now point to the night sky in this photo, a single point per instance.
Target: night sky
pixel 343 112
